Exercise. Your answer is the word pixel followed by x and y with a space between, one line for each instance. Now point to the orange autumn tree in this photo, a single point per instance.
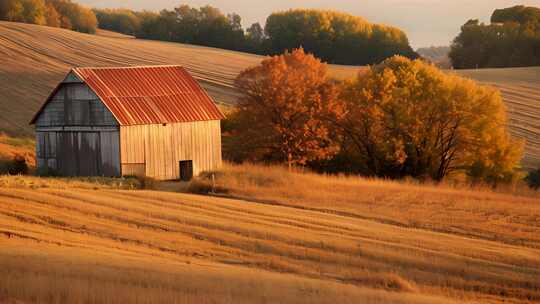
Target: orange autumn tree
pixel 284 110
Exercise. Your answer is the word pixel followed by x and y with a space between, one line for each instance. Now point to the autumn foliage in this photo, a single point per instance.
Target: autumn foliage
pixel 335 37
pixel 55 13
pixel 284 112
pixel 400 118
pixel 408 118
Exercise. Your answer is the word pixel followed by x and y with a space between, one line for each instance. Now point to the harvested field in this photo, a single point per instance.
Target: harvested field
pixel 66 242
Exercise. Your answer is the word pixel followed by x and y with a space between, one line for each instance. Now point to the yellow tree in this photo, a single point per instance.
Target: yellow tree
pixel 408 118
pixel 285 107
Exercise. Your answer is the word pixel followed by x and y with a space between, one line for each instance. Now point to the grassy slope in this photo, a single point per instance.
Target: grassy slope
pixel 377 241
pixel 37 57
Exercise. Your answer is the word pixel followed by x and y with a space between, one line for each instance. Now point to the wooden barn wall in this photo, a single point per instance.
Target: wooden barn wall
pixel 157 150
pixel 74 153
pixel 75 104
pixel 76 135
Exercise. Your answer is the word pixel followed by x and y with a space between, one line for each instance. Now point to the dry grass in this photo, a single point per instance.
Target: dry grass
pixel 299 238
pixel 478 213
pixel 94 183
pixel 10 147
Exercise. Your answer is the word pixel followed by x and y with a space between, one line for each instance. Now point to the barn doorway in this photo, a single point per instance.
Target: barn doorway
pixel 78 153
pixel 186 170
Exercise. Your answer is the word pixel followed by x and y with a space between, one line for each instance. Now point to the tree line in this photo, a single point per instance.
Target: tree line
pixel 334 37
pixel 511 40
pixel 55 13
pixel 400 118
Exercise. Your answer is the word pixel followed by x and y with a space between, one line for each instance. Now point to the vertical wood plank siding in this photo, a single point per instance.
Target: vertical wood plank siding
pixel 76 135
pixel 158 149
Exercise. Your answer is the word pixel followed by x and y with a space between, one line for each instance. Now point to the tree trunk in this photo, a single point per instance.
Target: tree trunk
pixel 289 161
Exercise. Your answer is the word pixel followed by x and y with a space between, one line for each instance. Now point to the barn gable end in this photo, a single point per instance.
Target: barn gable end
pixel 73 103
pixel 76 134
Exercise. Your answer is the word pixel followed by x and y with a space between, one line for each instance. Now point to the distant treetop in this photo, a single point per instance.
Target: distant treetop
pixel 335 37
pixel 511 40
pixel 520 14
pixel 332 36
pixel 56 13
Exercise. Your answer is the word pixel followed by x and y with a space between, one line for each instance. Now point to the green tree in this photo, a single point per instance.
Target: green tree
pixel 511 40
pixel 519 14
pixel 204 26
pixel 407 118
pixel 119 20
pixel 255 38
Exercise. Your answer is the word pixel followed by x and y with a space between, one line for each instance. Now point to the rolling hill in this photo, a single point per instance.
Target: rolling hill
pixel 35 58
pixel 292 238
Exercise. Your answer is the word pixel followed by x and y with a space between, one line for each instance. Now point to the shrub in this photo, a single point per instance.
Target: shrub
pixel 14 166
pixel 533 179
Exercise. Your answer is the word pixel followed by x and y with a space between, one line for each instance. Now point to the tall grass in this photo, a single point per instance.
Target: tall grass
pixel 447 208
pixel 35 182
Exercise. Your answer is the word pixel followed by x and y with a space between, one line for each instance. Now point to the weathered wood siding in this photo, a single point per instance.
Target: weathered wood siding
pixel 157 150
pixel 74 104
pixel 76 135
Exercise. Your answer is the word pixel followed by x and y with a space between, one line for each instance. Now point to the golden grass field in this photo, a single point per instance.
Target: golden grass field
pixel 279 237
pixel 36 58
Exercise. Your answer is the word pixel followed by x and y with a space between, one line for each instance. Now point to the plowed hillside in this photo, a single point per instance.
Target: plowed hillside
pixel 78 242
pixel 35 58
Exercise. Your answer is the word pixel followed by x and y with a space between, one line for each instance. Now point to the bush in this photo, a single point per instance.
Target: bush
pixel 533 179
pixel 205 183
pixel 16 165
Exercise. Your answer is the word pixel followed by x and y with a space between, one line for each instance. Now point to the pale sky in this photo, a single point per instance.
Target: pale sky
pixel 426 22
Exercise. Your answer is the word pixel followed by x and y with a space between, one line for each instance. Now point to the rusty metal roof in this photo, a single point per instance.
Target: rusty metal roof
pixel 150 95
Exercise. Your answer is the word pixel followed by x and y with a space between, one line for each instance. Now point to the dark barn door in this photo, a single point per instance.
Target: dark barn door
pixel 78 153
pixel 186 170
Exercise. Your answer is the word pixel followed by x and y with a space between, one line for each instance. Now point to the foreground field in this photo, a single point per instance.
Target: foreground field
pixel 37 57
pixel 345 241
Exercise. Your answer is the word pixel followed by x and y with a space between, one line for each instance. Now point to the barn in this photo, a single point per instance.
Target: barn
pixel 153 121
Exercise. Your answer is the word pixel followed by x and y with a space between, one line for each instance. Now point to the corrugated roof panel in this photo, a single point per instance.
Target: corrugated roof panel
pixel 150 95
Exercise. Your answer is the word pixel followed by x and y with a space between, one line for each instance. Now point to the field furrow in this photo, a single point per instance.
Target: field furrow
pixel 305 243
